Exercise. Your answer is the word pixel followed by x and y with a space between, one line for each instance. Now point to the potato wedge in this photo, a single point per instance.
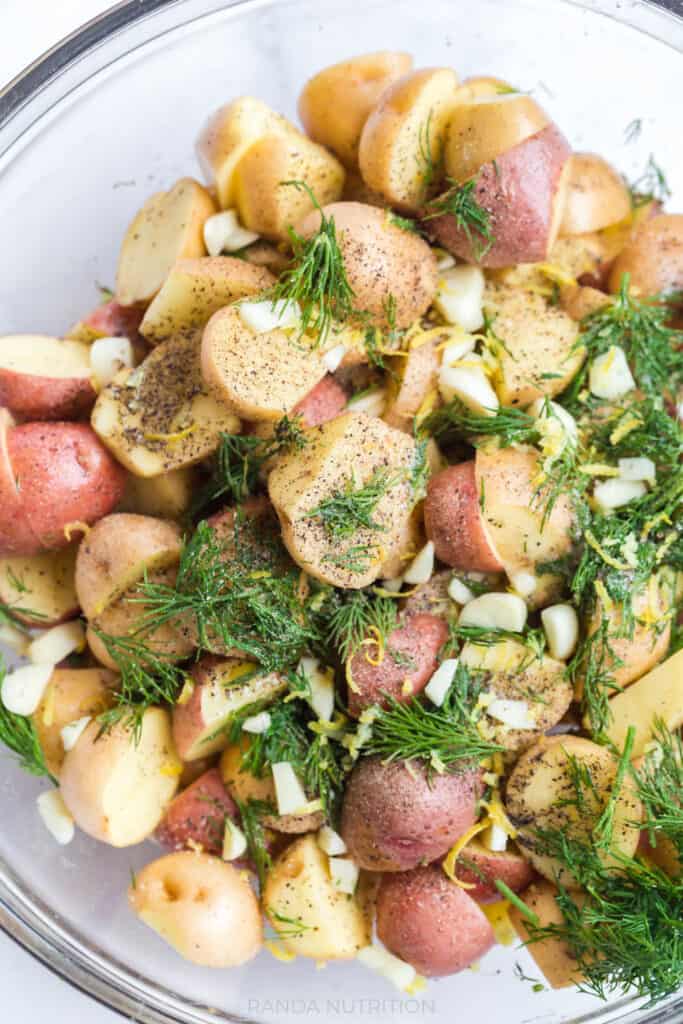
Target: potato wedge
pixel 404 135
pixel 40 589
pixel 653 257
pixel 260 376
pixel 335 104
pixel 595 197
pixel 43 378
pixel 537 356
pixel 195 289
pixel 166 229
pixel 299 888
pixel 227 135
pixel 483 128
pixel 659 694
pixel 71 694
pixel 166 497
pixel 415 379
pixel 541 794
pixel 552 957
pixel 349 450
pixel 265 200
pixel 117 789
pixel 160 416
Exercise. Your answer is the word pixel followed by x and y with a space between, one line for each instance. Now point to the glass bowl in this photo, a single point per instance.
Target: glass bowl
pixel 86 134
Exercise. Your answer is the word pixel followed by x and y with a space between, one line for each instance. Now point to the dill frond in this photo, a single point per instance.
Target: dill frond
pixel 18 734
pixel 460 202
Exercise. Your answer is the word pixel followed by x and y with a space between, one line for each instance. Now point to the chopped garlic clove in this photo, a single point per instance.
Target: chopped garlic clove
pixel 459 296
pixel 266 316
pixel 321 683
pixel 392 586
pixel 439 684
pixel 72 732
pixel 289 793
pixel 332 359
pixel 495 839
pixel 57 643
pixel 224 233
pixel 495 611
pixel 639 468
pixel 561 626
pixel 459 591
pixel 471 385
pixel 548 412
pixel 457 350
pixel 234 841
pixel 421 568
pixel 514 713
pixel 107 357
pixel 524 583
pixel 344 874
pixel 444 260
pixel 56 817
pixel 610 376
pixel 614 493
pixel 23 688
pixel 398 972
pixel 256 724
pixel 372 403
pixel 330 842
pixel 14 639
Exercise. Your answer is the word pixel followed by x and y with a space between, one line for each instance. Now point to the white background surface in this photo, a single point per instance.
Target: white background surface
pixel 27 29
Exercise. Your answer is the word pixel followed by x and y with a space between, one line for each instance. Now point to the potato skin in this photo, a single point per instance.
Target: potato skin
pixel 416 376
pixel 429 922
pixel 65 475
pixel 109 320
pixel 481 868
pixel 197 815
pixel 322 403
pixel 653 257
pixel 395 817
pixel 381 261
pixel 418 639
pixel 454 522
pixel 33 394
pixel 519 191
pixel 201 906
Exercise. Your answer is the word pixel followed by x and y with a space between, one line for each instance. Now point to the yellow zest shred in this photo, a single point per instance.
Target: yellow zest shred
pixel 655 521
pixel 427 405
pixel 417 985
pixel 77 526
pixel 350 682
pixel 171 769
pixel 605 599
pixel 450 863
pixel 378 640
pixel 666 544
pixel 592 541
pixel 49 709
pixel 407 687
pixel 598 469
pixel 625 427
pixel 186 692
pixel 497 815
pixel 283 955
pixel 178 435
pixel 556 273
pixel 499 919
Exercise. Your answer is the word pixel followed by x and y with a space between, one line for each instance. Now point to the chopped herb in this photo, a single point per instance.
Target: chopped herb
pixel 404 223
pixel 288 927
pixel 508 425
pixel 460 202
pixel 252 813
pixel 660 787
pixel 650 186
pixel 356 559
pixel 18 734
pixel 633 130
pixel 351 508
pixel 354 615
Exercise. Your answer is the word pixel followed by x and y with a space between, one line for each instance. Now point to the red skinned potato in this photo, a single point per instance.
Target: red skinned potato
pixel 43 378
pixel 480 869
pixel 454 522
pixel 408 663
pixel 522 193
pixel 16 535
pixel 109 320
pixel 61 475
pixel 431 923
pixel 325 401
pixel 396 816
pixel 653 258
pixel 596 196
pixel 381 260
pixel 197 815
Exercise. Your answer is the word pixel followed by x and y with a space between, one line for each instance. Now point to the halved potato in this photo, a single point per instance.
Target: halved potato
pixel 335 104
pixel 404 135
pixel 167 228
pixel 557 965
pixel 160 416
pixel 194 289
pixel 347 451
pixel 228 134
pixel 653 257
pixel 334 926
pixel 266 200
pixel 414 378
pixel 40 589
pixel 537 357
pixel 659 694
pixel 542 794
pixel 117 553
pixel 167 497
pixel 260 376
pixel 44 378
pixel 595 195
pixel 483 128
pixel 71 694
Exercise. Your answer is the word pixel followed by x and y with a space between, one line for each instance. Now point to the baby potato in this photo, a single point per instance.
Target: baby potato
pixel 71 693
pixel 117 553
pixel 659 694
pixel 108 320
pixel 396 815
pixel 160 416
pixel 404 135
pixel 261 376
pixel 595 197
pixel 44 378
pixel 40 589
pixel 228 134
pixel 266 201
pixel 345 453
pixel 167 228
pixel 653 257
pixel 481 129
pixel 552 956
pixel 454 521
pixel 197 816
pixel 335 104
pixel 480 869
pixel 298 887
pixel 203 907
pixel 391 271
pixel 512 673
pixel 537 357
pixel 166 497
pixel 117 784
pixel 541 794
pixel 429 922
pixel 325 401
pixel 415 378
pixel 195 289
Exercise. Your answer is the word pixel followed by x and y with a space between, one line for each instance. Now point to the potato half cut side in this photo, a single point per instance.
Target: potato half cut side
pixel 167 228
pixel 44 378
pixel 659 694
pixel 40 589
pixel 71 694
pixel 160 416
pixel 595 196
pixel 485 127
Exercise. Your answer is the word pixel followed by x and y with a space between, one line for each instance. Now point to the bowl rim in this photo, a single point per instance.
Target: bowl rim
pixel 28 921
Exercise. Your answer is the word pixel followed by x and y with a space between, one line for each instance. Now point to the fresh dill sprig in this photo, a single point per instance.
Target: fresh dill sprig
pixel 351 507
pixel 443 738
pixel 460 202
pixel 650 186
pixel 404 223
pixel 633 130
pixel 252 813
pixel 640 427
pixel 354 615
pixel 355 559
pixel 18 734
pixel 287 927
pixel 316 278
pixel 508 425
pixel 660 787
